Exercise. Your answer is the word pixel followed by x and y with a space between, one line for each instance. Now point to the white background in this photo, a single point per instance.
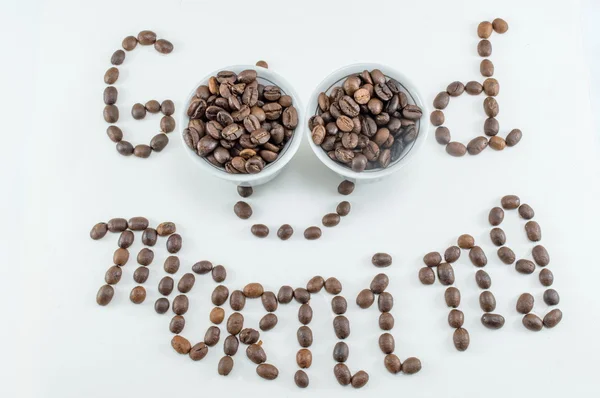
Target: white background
pixel 62 175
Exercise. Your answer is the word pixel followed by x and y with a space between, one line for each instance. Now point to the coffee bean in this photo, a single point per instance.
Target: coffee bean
pixel 141 274
pixel 525 266
pixel 476 145
pixel 113 275
pixel 304 358
pixel 510 202
pixel 242 210
pixel 465 241
pixel 499 25
pixel 411 366
pixel 315 284
pixel 249 336
pixel 452 254
pixel 491 107
pixel 305 314
pixel 269 301
pixel 266 371
pixel 237 301
pixel 312 233
pixel 285 232
pixel 455 89
pixel 526 211
pixel 492 321
pixel 301 379
pixel 166 228
pixel 177 324
pixel 445 274
pixel 426 276
pixel 506 255
pixel 180 344
pixel 532 322
pixel 525 303
pixel 392 363
pixel 165 286
pixel 253 290
pixel 331 219
pixel 484 48
pixel 145 256
pixel 301 295
pixel 161 305
pixel 474 88
pixel 552 318
pixel 217 315
pixel 219 295
pixel 514 137
pixel 442 135
pixel 386 343
pixel 181 304
pixel 333 286
pixel 497 143
pixel 212 336
pixel 487 301
pixel 149 237
pixel 105 295
pixel 110 95
pixel 159 142
pixel 441 100
pixel 437 118
pixel 496 216
pixel 304 336
pixel 167 124
pixel 379 283
pixel 121 256
pixel 491 87
pixel 231 344
pixel 461 339
pixel 244 192
pixel 111 75
pixel 342 374
pixel 219 273
pixel 533 230
pixel 174 243
pixel 260 230
pixel 142 151
pixel 359 379
pixel 152 106
pixel 477 256
pixel 341 352
pixel 341 327
pixel 551 297
pixel 198 351
pixel 484 30
pixel 129 43
pixel 225 365
pixel 138 111
pixel 365 298
pixel 339 305
pixel 452 297
pixel 256 354
pixel 137 295
pixel 456 149
pixel 111 114
pixel 116 135
pixel 456 318
pixel 491 127
pixel 483 279
pixel 285 294
pixel 385 302
pixel 546 277
pixel 163 46
pixel 386 321
pixel 381 260
pixel 432 259
pixel 486 68
pixel 171 265
pixel 125 239
pixel 118 57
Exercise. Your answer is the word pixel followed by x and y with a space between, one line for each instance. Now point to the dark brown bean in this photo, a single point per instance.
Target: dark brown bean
pixel 105 295
pixel 346 187
pixel 163 46
pixel 455 89
pixel 333 286
pixel 166 228
pixel 525 266
pixel 256 354
pixel 552 318
pixel 340 352
pixel 365 298
pixel 219 273
pixel 149 237
pixel 342 374
pixel 198 351
pixel 145 256
pixel 551 297
pixel 533 322
pixel 312 233
pixel 180 344
pixel 269 301
pixel 381 260
pixel 392 363
pixel 301 379
pixel 484 48
pixel 110 96
pixel 301 295
pixel 483 279
pixel 231 344
pixel 304 358
pixel 341 327
pixel 506 255
pixel 253 290
pixel 177 324
pixel 219 295
pixel 442 135
pixel 285 294
pixel 411 366
pixel 225 365
pixel 212 336
pixel 386 321
pixel 260 230
pixel 249 336
pixel 461 339
pixel 496 216
pixel 181 304
pixel 359 379
pixel 331 219
pixel 118 57
pixel 304 336
pixel 452 297
pixel 533 230
pixel 426 276
pixel 456 149
pixel 113 275
pixel 152 106
pixel 121 256
pixel 339 305
pixel 126 239
pixel 492 321
pixel 99 231
pixel 526 211
pixel 385 302
pixel 141 274
pixel 546 277
pixel 499 25
pixel 473 88
pixel 441 100
pixel 305 314
pixel 514 137
pixel 285 232
pixel 315 284
pixel 217 315
pixel 477 256
pixel 491 127
pixel 174 243
pixel 525 303
pixel 111 75
pixel 466 241
pixel 456 318
pixel 161 305
pixel 165 286
pixel 510 202
pixel 452 254
pixel 379 283
pixel 242 210
pixel 266 371
pixel 111 113
pixel 432 259
pixel 387 343
pixel 498 236
pixel 137 295
pixel 171 265
pixel 487 301
pixel 445 274
pixel 235 323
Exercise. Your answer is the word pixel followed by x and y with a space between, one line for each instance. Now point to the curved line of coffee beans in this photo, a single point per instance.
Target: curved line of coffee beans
pixel 244 211
pixel 490 87
pixel 138 111
pixel 525 266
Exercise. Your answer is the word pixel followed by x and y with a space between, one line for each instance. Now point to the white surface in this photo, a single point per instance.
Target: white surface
pixel 58 343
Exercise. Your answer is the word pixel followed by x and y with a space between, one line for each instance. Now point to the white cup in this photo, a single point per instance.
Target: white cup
pixel 336 79
pixel 271 170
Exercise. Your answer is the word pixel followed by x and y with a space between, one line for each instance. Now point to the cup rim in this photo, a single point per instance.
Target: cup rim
pixel 377 173
pixel 271 169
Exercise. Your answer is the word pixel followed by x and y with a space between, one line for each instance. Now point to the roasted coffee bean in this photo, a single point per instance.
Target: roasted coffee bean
pixel 525 266
pixel 506 255
pixel 392 363
pixel 484 48
pixel 343 208
pixel 159 142
pixel 456 318
pixel 171 265
pixel 426 276
pixel 533 230
pixel 312 233
pixel 285 294
pixel 237 300
pixel 498 236
pixel 177 324
pixel 386 321
pixel 452 297
pixel 111 114
pixel 452 254
pixel 387 343
pixel 365 298
pixel 551 297
pixel 129 43
pixel 253 290
pixel 126 239
pixel 304 336
pixel 116 135
pixel 359 162
pixel 301 295
pixel 152 106
pixel 165 286
pixel 145 256
pixel 167 124
pixel 141 274
pixel 105 295
pixel 465 241
pixel 526 211
pixel 476 145
pixel 491 107
pixel 163 46
pixel 111 75
pixel 484 30
pixel 514 137
pixel 441 100
pixel 546 277
pixel 499 25
pixel 244 192
pixel 486 68
pixel 225 365
pixel 437 118
pixel 249 336
pixel 137 295
pixel 118 57
pixel 256 354
pixel 445 274
pixel 180 304
pixel 487 301
pixel 339 305
pixel 304 358
pixel 219 295
pixel 461 339
pixel 113 275
pixel 510 202
pixel 455 89
pixel 146 37
pixel 180 344
pixel 340 352
pixel 359 379
pixel 432 259
pixel 341 327
pixel 342 374
pixel 174 243
pixel 381 260
pixel 477 256
pixel 212 336
pixel 138 111
pixel 411 366
pixel 217 315
pixel 142 151
pixel 497 143
pixel 492 321
pixel 305 314
pixel 385 302
pixel 266 371
pixel 474 88
pixel 333 286
pixel 491 127
pixel 496 216
pixel 242 210
pixel 161 305
pixel 198 351
pixel 315 284
pixel 491 87
pixel 456 149
pixel 483 279
pixel 260 230
pixel 301 379
pixel 219 273
pixel 121 256
pixel 331 219
pixel 533 322
pixel 525 303
pixel 269 301
pixel 149 237
pixel 110 95
pixel 379 283
pixel 231 344
pixel 552 318
pixel 166 228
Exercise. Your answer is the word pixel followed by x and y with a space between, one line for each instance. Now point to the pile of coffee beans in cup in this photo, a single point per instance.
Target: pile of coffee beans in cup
pixel 490 87
pixel 138 110
pixel 367 122
pixel 238 124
